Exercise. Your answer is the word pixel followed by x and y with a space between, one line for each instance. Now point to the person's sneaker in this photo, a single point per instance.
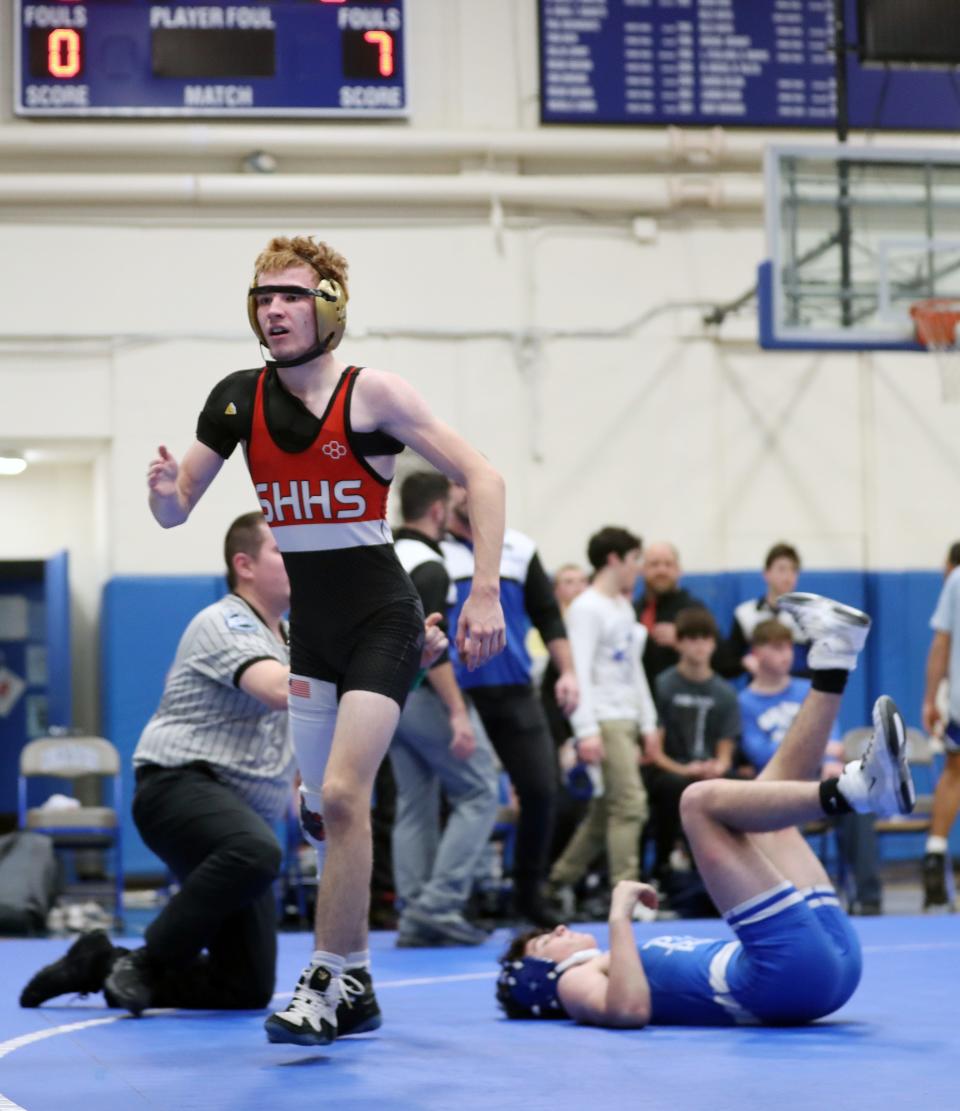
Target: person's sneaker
pixel 410 936
pixel 935 897
pixel 529 906
pixel 358 1011
pixel 310 1018
pixel 880 783
pixel 837 632
pixel 130 983
pixel 451 925
pixel 81 970
pixel 563 899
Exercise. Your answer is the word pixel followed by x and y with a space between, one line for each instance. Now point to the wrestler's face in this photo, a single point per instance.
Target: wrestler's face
pixel 288 321
pixel 559 944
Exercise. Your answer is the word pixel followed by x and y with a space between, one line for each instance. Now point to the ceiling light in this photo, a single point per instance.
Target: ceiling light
pixel 12 462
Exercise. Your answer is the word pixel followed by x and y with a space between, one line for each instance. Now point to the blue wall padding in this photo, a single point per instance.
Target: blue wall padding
pixel 142 620
pixel 144 617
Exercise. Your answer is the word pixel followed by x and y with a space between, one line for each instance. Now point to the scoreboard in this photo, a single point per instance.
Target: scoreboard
pixel 754 63
pixel 125 58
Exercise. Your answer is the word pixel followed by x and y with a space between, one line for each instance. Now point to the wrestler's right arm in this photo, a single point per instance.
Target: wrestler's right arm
pixel 175 488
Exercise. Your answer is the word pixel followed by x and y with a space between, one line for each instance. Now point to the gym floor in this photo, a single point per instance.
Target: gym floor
pixel 444 1045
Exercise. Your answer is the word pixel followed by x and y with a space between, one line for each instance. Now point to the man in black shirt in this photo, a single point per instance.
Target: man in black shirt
pixel 438 745
pixel 663 598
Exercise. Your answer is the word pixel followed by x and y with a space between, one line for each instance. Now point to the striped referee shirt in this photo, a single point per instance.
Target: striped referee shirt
pixel 204 715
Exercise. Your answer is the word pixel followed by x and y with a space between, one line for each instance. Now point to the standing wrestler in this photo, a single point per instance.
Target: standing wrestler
pixel 320 439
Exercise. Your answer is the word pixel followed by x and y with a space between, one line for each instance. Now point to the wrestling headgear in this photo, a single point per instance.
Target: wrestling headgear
pixel 527 986
pixel 330 303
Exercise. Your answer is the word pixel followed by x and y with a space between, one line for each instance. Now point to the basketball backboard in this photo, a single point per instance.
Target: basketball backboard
pixel 856 236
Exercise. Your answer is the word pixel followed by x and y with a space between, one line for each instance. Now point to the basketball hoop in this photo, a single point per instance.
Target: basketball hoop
pixel 935 321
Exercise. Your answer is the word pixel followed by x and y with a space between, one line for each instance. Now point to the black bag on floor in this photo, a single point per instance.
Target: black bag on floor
pixel 28 882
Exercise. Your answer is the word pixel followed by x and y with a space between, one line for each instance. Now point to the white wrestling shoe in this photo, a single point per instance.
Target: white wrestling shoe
pixel 880 783
pixel 311 1016
pixel 837 632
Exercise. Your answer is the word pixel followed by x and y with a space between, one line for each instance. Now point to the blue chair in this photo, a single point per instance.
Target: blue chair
pixel 79 827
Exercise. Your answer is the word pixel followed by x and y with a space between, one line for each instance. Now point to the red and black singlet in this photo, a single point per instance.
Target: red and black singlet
pixel 326 497
pixel 327 509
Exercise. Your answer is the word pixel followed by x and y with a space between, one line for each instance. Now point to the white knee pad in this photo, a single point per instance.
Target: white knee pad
pixel 313 716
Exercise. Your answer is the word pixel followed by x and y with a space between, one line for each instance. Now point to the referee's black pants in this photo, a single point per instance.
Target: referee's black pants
pixel 226 858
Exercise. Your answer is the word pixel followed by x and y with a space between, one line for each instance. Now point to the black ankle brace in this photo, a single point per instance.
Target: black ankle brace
pixel 831 800
pixel 831 681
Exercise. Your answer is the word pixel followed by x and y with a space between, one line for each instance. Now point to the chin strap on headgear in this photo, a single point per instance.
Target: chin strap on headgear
pixel 531 982
pixel 330 303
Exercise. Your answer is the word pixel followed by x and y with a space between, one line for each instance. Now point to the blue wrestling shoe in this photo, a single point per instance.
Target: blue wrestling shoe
pixel 880 783
pixel 837 632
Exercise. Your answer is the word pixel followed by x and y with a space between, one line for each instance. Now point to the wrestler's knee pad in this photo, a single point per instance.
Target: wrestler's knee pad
pixel 313 716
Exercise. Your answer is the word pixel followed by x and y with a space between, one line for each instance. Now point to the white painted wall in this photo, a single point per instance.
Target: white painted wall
pixel 116 321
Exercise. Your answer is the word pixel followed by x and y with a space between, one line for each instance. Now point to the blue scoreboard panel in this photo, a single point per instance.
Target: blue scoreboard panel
pixel 256 58
pixel 756 63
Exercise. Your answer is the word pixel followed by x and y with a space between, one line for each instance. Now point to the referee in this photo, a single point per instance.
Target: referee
pixel 214 769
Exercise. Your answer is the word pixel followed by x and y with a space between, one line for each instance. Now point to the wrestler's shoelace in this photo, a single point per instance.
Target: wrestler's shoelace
pixel 310 1004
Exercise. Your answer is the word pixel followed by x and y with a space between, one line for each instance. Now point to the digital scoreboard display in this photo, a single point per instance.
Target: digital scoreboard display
pixel 753 63
pixel 136 58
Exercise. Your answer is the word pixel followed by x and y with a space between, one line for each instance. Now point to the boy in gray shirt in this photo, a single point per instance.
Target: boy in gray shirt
pixel 699 726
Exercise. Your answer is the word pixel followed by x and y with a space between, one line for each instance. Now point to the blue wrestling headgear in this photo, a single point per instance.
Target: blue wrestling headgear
pixel 527 986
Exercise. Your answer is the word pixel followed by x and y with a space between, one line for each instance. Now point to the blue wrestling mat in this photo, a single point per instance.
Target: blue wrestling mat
pixel 443 1046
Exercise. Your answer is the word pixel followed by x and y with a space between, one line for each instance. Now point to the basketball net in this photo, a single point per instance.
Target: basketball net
pixel 936 321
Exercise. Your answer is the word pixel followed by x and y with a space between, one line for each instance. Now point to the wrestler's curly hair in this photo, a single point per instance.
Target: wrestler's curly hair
pixel 282 252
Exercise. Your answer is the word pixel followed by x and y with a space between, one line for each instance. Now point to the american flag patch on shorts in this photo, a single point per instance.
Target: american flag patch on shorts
pixel 300 688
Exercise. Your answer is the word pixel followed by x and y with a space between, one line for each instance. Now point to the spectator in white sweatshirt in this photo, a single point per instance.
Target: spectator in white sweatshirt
pixel 614 712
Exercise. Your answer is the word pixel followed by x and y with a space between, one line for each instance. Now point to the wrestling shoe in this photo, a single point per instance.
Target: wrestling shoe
pixel 880 783
pixel 935 897
pixel 80 971
pixel 837 632
pixel 130 984
pixel 311 1016
pixel 358 1011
